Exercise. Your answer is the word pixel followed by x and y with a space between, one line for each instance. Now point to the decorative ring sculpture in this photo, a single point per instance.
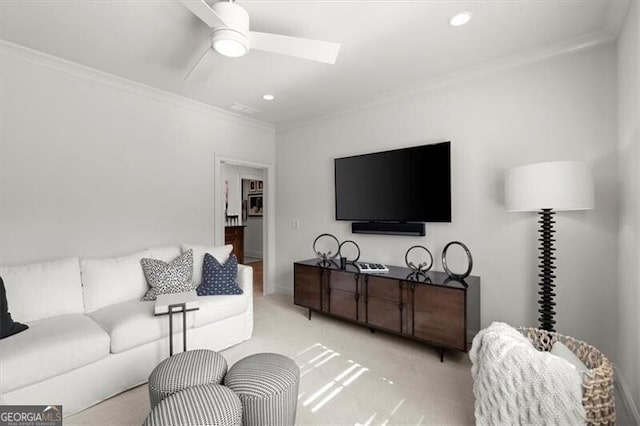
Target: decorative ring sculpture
pixel 418 276
pixel 422 267
pixel 469 259
pixel 357 248
pixel 328 256
pixel 460 281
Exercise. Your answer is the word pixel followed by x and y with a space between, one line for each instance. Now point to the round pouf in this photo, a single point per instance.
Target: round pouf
pixel 185 370
pixel 267 385
pixel 205 405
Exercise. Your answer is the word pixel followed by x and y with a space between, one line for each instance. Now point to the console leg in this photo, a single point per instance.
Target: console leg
pixel 441 350
pixel 309 314
pixel 372 330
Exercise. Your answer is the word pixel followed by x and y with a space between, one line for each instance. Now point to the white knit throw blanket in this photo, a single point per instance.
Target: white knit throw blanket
pixel 514 383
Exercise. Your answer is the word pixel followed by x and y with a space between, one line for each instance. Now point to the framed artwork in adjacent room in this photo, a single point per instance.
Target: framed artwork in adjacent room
pixel 259 188
pixel 252 186
pixel 255 205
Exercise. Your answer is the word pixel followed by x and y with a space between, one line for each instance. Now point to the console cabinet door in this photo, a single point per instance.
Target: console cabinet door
pixel 307 286
pixel 384 303
pixel 343 293
pixel 439 315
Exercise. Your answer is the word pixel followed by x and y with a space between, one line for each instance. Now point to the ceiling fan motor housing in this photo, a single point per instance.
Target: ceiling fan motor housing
pixel 233 15
pixel 237 20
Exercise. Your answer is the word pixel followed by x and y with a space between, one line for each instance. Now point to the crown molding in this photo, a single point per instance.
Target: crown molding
pixel 616 14
pixel 55 63
pixel 539 54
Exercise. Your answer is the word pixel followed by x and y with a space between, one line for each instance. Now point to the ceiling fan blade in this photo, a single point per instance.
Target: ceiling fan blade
pixel 314 50
pixel 202 58
pixel 202 10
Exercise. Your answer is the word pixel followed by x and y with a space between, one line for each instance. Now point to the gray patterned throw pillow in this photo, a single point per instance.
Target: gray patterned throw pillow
pixel 172 277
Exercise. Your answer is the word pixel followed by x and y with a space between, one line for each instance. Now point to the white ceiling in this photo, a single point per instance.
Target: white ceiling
pixel 386 45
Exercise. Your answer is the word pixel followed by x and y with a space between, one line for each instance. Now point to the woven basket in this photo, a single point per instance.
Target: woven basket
pixel 597 381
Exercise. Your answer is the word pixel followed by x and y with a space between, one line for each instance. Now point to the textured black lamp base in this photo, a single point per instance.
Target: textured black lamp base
pixel 546 271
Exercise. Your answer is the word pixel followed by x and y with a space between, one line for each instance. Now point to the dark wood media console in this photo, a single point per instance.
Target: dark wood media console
pixel 442 312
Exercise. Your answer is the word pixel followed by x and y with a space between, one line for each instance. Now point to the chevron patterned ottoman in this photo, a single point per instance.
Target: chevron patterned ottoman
pixel 267 385
pixel 185 370
pixel 204 405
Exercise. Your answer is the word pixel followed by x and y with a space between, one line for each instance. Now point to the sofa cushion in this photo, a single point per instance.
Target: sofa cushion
pixel 168 277
pixel 51 347
pixel 112 280
pixel 216 308
pixel 165 253
pixel 221 253
pixel 219 279
pixel 43 290
pixel 131 324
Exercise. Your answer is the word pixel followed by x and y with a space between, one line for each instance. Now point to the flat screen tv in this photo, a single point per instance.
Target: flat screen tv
pixel 403 185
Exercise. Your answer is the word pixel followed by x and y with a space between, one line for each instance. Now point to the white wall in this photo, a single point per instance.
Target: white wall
pixel 629 232
pixel 93 165
pixel 558 109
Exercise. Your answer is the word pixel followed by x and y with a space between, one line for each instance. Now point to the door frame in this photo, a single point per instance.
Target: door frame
pixel 268 216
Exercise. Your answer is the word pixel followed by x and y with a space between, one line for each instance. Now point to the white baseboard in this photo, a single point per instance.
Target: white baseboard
pixel 628 403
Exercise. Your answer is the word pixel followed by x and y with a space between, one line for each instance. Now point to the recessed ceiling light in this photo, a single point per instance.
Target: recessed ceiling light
pixel 268 97
pixel 460 19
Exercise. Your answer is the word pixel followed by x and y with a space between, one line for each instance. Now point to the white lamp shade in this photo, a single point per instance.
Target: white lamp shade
pixel 557 185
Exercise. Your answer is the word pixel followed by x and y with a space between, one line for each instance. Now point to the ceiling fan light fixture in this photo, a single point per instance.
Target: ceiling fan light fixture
pixel 460 19
pixel 230 43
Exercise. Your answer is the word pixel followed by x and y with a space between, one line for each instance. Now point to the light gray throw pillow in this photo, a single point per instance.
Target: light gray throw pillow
pixel 173 277
pixel 561 350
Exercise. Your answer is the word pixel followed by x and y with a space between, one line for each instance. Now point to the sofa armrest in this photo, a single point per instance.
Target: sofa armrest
pixel 245 279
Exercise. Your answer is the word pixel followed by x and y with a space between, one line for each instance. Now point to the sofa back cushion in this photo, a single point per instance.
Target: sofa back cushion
pixel 221 253
pixel 43 290
pixel 165 253
pixel 113 280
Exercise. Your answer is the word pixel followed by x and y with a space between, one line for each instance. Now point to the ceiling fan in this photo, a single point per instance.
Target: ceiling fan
pixel 231 35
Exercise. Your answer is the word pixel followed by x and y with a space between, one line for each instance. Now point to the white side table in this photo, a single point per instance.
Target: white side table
pixel 169 304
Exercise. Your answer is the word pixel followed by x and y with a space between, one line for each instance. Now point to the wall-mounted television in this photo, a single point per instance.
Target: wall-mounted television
pixel 403 185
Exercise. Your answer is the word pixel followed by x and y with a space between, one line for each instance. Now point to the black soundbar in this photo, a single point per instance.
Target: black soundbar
pixel 389 228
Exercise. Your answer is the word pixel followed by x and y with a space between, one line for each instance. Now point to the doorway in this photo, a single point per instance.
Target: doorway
pixel 245 206
pixel 252 199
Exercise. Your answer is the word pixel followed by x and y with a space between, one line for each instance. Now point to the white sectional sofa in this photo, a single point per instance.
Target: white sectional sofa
pixel 90 336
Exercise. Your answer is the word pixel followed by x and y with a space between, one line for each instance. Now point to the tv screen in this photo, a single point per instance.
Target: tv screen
pixel 403 185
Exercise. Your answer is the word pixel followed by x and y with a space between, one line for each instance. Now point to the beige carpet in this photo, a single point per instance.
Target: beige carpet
pixel 349 376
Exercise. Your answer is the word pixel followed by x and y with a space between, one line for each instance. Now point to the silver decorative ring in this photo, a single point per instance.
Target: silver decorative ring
pixel 422 267
pixel 328 255
pixel 469 259
pixel 357 248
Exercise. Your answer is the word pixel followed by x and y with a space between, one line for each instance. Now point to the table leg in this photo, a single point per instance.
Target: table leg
pixel 184 329
pixel 173 309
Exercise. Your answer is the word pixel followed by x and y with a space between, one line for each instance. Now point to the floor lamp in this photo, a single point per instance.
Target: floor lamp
pixel 546 188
